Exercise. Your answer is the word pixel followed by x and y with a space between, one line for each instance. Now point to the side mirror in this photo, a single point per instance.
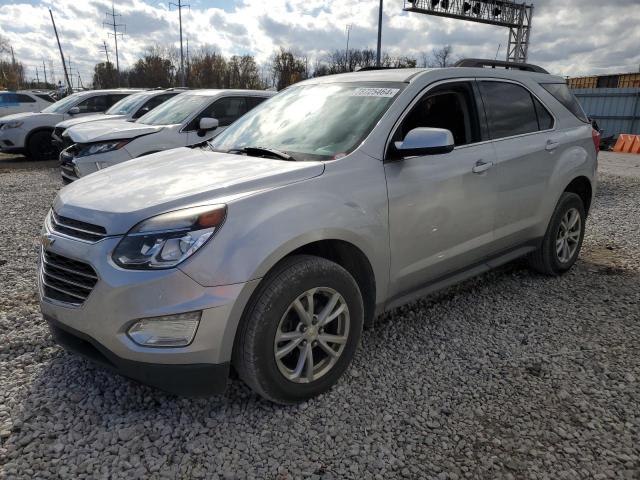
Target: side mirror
pixel 207 123
pixel 425 141
pixel 74 111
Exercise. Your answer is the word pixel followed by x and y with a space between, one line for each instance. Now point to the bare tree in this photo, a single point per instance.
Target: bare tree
pixel 439 58
pixel 11 72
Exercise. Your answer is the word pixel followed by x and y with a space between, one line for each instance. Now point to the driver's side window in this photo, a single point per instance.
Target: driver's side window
pixel 93 104
pixel 452 107
pixel 226 110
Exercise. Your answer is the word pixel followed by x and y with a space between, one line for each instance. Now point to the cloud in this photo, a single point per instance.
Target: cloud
pixel 569 38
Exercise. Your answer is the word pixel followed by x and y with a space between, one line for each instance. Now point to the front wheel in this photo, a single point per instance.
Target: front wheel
pixel 300 331
pixel 563 240
pixel 40 146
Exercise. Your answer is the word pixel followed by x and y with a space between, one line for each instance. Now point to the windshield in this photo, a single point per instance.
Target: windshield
pixel 312 122
pixel 61 106
pixel 176 110
pixel 127 105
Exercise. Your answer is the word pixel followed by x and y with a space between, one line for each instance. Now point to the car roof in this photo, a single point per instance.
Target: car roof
pixel 212 92
pixel 409 75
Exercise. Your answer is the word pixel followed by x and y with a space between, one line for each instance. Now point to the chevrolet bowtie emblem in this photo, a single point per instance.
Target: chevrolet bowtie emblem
pixel 47 240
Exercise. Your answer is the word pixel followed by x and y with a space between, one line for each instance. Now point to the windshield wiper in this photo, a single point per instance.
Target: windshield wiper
pixel 264 152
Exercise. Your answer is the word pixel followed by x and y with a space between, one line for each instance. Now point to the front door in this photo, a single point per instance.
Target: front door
pixel 441 207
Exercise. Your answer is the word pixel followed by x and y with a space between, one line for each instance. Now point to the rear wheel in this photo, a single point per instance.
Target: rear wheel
pixel 563 240
pixel 40 146
pixel 301 330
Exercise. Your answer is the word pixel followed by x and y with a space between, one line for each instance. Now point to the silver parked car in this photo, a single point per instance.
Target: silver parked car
pixel 337 199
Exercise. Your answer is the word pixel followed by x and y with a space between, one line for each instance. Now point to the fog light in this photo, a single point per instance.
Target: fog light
pixel 167 331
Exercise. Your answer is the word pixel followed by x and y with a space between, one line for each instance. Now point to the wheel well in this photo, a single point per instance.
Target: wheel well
pixel 34 131
pixel 581 186
pixel 354 261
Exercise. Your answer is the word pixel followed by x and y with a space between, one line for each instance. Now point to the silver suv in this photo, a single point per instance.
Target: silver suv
pixel 337 199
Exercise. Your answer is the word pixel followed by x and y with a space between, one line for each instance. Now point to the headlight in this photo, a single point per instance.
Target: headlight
pixel 166 240
pixel 12 124
pixel 96 148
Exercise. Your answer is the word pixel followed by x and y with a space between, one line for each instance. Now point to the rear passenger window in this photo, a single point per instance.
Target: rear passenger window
pixel 510 109
pixel 8 99
pixel 25 98
pixel 561 92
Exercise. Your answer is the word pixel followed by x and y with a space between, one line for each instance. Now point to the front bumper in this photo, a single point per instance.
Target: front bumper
pixel 72 167
pixel 12 139
pixel 120 297
pixel 190 380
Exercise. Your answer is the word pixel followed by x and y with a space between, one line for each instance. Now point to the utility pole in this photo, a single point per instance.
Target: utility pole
pixel 347 51
pixel 44 69
pixel 188 61
pixel 379 35
pixel 37 78
pixel 113 24
pixel 64 66
pixel 180 6
pixel 106 52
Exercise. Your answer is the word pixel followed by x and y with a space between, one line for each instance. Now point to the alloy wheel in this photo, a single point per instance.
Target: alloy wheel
pixel 569 234
pixel 311 335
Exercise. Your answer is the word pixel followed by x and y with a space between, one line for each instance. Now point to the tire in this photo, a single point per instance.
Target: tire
pixel 40 146
pixel 272 311
pixel 550 259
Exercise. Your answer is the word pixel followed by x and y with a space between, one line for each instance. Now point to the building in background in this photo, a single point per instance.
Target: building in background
pixel 613 101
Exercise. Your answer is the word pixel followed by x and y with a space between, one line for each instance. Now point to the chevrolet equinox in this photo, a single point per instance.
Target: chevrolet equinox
pixel 267 249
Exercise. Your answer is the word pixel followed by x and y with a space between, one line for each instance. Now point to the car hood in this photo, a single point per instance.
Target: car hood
pixel 109 130
pixel 89 118
pixel 119 197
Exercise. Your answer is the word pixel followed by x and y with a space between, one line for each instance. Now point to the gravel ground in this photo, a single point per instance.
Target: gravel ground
pixel 510 375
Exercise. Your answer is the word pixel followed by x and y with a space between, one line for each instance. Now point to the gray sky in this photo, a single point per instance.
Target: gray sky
pixel 578 37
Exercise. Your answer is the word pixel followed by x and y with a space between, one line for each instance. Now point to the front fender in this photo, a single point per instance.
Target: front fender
pixel 347 202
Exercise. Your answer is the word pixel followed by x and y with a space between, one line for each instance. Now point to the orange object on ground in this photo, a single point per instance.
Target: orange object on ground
pixel 635 146
pixel 624 143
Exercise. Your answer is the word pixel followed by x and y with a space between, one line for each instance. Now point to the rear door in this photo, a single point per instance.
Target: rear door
pixel 27 103
pixel 527 145
pixel 441 207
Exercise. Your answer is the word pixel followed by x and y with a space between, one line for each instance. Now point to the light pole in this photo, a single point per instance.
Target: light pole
pixel 347 52
pixel 379 35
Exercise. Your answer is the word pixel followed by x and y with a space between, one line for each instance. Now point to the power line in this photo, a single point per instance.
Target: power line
pixel 180 6
pixel 115 33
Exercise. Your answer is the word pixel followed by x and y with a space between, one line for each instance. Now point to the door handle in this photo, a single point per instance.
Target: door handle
pixel 552 145
pixel 482 166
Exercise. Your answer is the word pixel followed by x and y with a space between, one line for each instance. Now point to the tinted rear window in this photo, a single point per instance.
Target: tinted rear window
pixel 561 92
pixel 510 109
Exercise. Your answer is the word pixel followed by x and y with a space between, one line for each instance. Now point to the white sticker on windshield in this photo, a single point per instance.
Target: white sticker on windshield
pixel 375 92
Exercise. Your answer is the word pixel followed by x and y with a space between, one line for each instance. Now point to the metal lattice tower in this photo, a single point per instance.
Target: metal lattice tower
pixel 517 17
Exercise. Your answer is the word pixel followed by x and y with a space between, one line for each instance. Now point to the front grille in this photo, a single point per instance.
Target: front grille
pixel 67 168
pixel 66 280
pixel 76 228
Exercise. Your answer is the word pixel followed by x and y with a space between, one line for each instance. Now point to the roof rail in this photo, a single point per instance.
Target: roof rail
pixel 483 63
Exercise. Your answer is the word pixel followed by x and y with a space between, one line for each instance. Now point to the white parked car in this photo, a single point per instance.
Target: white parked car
pixel 129 108
pixel 188 119
pixel 24 101
pixel 30 132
